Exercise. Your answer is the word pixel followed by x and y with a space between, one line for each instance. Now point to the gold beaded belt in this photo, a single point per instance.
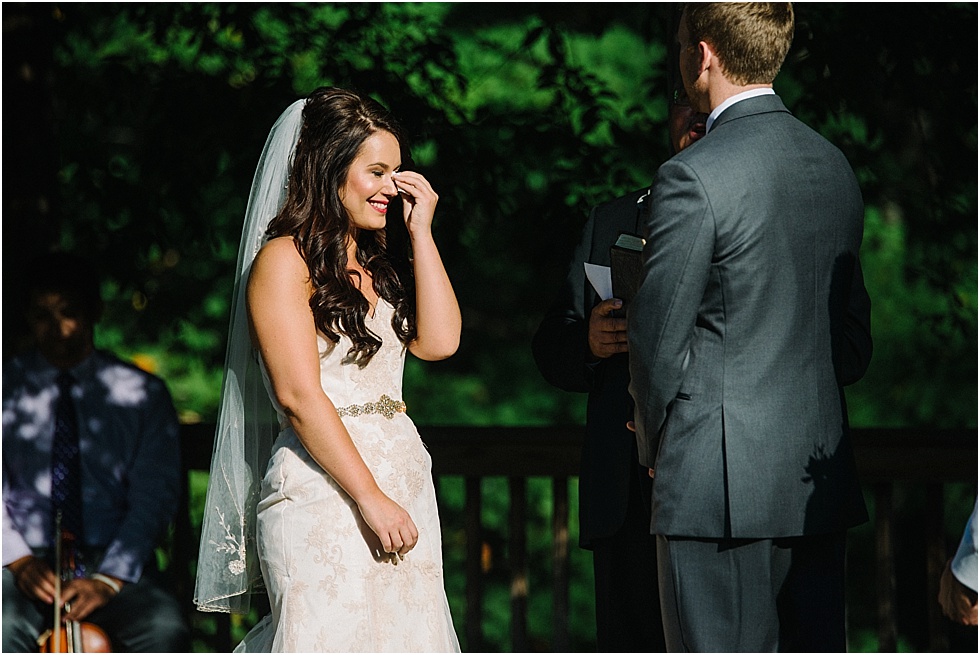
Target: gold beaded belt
pixel 385 406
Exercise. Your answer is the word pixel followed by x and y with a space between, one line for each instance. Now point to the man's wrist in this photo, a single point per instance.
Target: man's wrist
pixel 112 583
pixel 18 564
pixel 965 590
pixel 968 593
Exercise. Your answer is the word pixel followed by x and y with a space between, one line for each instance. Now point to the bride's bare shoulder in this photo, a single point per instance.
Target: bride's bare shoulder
pixel 279 260
pixel 278 247
pixel 277 252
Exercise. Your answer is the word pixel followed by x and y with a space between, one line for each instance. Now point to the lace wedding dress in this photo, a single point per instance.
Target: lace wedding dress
pixel 330 585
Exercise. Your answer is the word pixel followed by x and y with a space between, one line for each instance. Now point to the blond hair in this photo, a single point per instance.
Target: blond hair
pixel 750 39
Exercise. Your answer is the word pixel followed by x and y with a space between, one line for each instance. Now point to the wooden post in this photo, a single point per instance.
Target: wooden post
pixel 473 623
pixel 560 579
pixel 517 554
pixel 935 563
pixel 885 569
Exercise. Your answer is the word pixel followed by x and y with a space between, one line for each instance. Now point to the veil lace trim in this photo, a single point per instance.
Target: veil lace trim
pixel 228 568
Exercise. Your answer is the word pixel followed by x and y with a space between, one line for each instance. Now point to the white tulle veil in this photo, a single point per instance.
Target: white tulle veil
pixel 227 567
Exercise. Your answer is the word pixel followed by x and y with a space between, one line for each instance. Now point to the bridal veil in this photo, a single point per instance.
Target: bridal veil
pixel 228 567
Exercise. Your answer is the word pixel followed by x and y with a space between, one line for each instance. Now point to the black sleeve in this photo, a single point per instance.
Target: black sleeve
pixel 560 346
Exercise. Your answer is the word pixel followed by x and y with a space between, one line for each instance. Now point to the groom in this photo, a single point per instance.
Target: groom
pixel 751 318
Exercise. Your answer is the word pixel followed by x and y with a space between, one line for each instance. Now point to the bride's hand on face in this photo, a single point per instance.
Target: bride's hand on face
pixel 418 201
pixel 393 525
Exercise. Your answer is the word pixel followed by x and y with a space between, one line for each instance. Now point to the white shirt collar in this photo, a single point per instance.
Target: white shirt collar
pixel 744 95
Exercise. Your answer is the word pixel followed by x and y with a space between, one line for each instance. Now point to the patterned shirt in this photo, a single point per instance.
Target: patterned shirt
pixel 129 440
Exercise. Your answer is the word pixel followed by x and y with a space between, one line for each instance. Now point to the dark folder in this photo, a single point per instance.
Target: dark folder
pixel 626 262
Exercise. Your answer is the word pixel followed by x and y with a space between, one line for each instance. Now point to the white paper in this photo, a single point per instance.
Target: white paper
pixel 601 279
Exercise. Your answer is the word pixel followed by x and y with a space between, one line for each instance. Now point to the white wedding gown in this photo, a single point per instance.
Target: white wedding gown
pixel 331 588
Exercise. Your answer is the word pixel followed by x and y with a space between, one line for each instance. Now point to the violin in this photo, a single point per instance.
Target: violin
pixel 72 636
pixel 75 637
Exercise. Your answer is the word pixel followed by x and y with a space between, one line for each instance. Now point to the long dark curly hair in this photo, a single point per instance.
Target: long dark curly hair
pixel 336 122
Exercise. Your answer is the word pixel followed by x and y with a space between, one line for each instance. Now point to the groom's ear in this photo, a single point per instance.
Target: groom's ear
pixel 708 58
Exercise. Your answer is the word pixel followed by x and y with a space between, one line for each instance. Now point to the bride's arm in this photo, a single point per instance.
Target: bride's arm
pixel 285 334
pixel 437 312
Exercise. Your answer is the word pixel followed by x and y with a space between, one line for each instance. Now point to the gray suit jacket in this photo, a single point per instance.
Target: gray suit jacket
pixel 751 317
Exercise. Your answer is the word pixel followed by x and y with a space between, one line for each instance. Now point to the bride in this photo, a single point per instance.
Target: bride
pixel 321 490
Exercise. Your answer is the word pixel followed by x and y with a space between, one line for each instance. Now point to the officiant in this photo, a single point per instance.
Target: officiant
pixel 581 346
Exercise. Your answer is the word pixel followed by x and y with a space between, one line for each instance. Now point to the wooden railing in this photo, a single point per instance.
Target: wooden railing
pixel 884 457
pixel 930 458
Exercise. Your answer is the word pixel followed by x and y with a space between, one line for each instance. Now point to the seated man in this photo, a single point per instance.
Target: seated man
pixel 93 441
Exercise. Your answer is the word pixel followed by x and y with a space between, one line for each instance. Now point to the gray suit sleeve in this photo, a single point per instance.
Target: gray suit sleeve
pixel 677 258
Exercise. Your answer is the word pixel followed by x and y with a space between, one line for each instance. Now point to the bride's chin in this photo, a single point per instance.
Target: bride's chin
pixel 373 226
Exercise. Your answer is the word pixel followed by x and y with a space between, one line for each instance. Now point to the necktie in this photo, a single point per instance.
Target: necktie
pixel 66 470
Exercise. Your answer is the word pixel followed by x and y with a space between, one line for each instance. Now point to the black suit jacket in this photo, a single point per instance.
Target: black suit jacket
pixel 751 318
pixel 561 351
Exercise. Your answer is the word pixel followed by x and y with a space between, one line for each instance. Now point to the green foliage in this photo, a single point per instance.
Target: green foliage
pixel 551 111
